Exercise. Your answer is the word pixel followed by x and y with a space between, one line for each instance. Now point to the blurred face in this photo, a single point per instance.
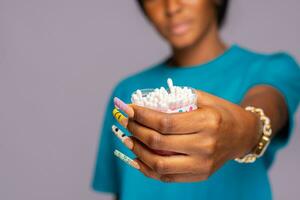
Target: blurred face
pixel 181 22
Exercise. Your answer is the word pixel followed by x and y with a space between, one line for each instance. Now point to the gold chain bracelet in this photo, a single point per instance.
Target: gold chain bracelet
pixel 264 140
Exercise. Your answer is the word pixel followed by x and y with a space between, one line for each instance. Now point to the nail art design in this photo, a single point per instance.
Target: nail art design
pixel 118 115
pixel 126 159
pixel 123 106
pixel 122 136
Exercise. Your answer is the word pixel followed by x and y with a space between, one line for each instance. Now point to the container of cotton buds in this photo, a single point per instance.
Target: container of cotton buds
pixel 172 100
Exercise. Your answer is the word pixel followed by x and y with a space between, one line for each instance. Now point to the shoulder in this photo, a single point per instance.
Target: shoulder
pixel 275 60
pixel 283 61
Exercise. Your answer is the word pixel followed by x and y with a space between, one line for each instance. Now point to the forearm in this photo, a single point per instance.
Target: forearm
pixel 272 102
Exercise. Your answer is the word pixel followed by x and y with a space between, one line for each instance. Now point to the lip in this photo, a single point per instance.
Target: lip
pixel 179 28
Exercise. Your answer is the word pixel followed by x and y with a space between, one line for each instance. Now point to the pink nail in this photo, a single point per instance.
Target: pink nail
pixel 123 106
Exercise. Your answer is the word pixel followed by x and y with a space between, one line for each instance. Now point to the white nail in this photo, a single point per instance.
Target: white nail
pixel 126 159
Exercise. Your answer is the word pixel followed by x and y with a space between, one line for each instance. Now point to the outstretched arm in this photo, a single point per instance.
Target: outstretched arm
pixel 272 102
pixel 205 139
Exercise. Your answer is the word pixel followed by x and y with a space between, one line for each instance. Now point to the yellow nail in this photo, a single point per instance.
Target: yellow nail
pixel 119 117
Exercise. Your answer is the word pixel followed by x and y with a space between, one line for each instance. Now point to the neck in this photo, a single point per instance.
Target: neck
pixel 208 47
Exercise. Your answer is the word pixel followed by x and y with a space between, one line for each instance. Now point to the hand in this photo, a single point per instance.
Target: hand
pixel 203 139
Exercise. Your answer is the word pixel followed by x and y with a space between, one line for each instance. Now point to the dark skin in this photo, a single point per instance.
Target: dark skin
pixel 206 143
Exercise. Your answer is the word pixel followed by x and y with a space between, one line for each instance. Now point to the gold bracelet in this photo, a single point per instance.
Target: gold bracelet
pixel 264 140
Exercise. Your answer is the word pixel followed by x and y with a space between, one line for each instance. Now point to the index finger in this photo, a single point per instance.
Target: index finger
pixel 171 123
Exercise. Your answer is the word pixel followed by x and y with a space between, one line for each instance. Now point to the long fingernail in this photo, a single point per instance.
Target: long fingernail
pixel 124 139
pixel 126 159
pixel 124 107
pixel 120 117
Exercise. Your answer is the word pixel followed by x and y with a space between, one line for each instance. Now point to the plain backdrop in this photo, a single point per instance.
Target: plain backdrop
pixel 59 60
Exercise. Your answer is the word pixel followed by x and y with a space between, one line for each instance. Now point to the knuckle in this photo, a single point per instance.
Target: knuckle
pixel 136 149
pixel 130 126
pixel 165 124
pixel 139 114
pixel 197 147
pixel 216 119
pixel 136 111
pixel 159 166
pixel 154 141
pixel 211 146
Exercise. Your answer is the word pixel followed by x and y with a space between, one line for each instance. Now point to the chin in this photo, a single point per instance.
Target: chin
pixel 182 42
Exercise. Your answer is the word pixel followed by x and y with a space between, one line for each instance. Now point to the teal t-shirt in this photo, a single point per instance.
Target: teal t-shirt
pixel 229 76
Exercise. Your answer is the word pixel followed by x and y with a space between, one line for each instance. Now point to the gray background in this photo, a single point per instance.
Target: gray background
pixel 59 60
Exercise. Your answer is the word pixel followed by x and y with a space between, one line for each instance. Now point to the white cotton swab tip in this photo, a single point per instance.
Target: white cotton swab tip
pixel 170 83
pixel 173 99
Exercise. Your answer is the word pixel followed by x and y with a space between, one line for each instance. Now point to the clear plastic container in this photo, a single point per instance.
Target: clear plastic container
pixel 175 107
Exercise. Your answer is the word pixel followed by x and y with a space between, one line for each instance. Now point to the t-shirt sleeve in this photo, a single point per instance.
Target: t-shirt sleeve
pixel 106 176
pixel 282 72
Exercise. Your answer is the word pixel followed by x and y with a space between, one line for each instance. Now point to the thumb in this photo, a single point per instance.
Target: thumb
pixel 207 99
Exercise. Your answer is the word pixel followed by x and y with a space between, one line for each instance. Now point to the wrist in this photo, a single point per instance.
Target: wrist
pixel 264 141
pixel 255 130
pixel 250 133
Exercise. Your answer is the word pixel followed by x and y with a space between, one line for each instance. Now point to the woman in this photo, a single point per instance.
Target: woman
pixel 212 138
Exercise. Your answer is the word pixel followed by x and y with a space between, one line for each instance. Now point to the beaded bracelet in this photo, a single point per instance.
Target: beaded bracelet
pixel 264 140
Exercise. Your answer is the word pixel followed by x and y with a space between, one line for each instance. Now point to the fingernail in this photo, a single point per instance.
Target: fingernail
pixel 119 117
pixel 123 106
pixel 136 165
pixel 125 139
pixel 126 159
